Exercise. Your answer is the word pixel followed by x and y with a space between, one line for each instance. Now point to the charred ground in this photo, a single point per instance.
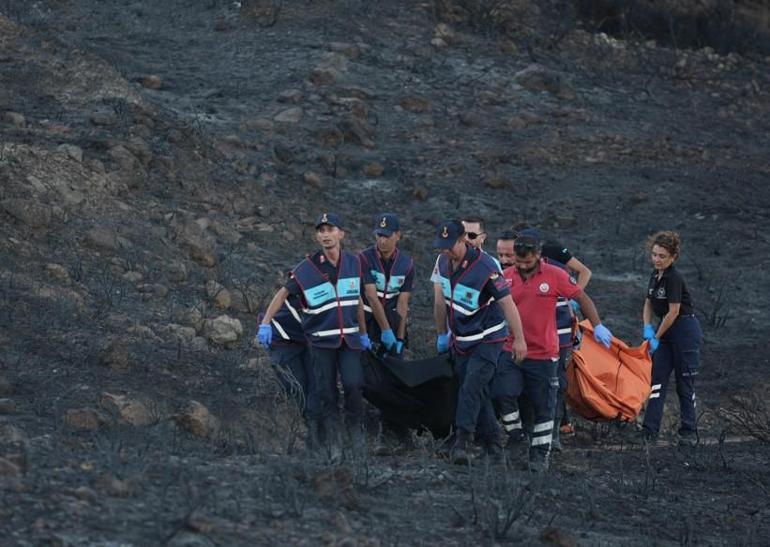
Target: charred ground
pixel 161 164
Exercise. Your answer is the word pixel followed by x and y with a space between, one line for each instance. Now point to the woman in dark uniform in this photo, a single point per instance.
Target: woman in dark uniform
pixel 675 343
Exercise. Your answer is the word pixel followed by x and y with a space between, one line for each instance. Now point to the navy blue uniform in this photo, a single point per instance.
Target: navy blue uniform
pixel 391 278
pixel 478 329
pixel 678 351
pixel 330 297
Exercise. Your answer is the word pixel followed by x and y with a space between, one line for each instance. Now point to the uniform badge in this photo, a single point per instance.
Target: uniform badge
pixel 322 259
pixel 352 284
pixel 468 295
pixel 383 223
pixel 661 293
pixel 544 287
pixel 324 219
pixel 572 280
pixel 445 233
pixel 494 276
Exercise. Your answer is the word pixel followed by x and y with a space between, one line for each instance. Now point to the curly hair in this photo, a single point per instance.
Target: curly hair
pixel 666 239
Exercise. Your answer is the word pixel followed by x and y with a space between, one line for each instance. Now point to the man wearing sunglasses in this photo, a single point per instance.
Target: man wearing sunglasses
pixel 535 287
pixel 475 232
pixel 473 310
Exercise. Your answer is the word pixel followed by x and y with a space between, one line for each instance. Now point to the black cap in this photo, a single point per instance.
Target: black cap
pixel 329 218
pixel 528 241
pixel 533 234
pixel 447 234
pixel 385 224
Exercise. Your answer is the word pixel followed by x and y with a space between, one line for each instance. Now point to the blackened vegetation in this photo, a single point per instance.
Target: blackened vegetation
pixel 723 25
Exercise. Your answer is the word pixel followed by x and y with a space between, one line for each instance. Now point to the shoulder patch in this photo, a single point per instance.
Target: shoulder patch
pixel 494 276
pixel 572 280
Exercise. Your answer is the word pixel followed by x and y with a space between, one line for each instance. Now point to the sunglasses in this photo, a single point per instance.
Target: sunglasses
pixel 473 235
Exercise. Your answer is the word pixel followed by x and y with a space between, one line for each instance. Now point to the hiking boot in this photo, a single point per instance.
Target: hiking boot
pixel 493 449
pixel 460 452
pixel 688 438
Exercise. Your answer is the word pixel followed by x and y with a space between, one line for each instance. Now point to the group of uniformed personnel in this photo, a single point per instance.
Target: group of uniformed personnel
pixel 509 330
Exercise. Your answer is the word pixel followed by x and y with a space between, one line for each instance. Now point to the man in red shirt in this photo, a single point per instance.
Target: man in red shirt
pixel 535 287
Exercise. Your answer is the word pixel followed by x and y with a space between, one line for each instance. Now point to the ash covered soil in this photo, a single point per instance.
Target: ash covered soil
pixel 161 163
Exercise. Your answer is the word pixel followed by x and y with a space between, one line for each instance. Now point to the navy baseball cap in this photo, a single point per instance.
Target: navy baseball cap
pixel 328 218
pixel 527 241
pixel 447 234
pixel 532 234
pixel 385 224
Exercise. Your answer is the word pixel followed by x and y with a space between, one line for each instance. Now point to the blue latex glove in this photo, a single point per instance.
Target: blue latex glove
pixel 603 335
pixel 388 339
pixel 649 332
pixel 654 343
pixel 265 335
pixel 399 347
pixel 365 342
pixel 575 307
pixel 442 343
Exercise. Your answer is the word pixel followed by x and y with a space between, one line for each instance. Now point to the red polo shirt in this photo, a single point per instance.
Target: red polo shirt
pixel 536 300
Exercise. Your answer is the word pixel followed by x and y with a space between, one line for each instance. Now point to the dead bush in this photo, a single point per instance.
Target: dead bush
pixel 749 415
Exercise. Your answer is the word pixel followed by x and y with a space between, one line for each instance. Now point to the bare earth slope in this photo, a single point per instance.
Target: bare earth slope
pixel 161 163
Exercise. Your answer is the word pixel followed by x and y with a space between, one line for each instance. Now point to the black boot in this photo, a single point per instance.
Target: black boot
pixel 516 445
pixel 493 449
pixel 460 453
pixel 538 459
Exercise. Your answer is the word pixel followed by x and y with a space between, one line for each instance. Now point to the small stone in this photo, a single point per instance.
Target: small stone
pixel 9 469
pixel 86 494
pixel 438 43
pixel 112 486
pixel 496 183
pixel 351 51
pixel 312 178
pixel 374 169
pixel 322 76
pixel 415 104
pixel 508 47
pixel 471 119
pixel 224 331
pixel 72 151
pixel 290 115
pixel 196 419
pixel 115 355
pixel 57 271
pixel 128 410
pixel 290 96
pixel 5 386
pixel 420 192
pixel 84 419
pixel 218 295
pixel 132 277
pixel 7 406
pixel 15 119
pixel 176 271
pixel 29 212
pixel 152 81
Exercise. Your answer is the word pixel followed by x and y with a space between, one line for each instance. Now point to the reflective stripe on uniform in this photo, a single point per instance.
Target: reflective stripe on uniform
pixel 293 311
pixel 329 306
pixel 482 334
pixel 334 332
pixel 280 330
pixel 543 426
pixel 537 441
pixel 512 417
pixel 564 331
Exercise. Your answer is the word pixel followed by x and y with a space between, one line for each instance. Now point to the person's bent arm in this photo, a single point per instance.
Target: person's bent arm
pixel 402 307
pixel 582 272
pixel 647 312
pixel 668 319
pixel 439 309
pixel 588 307
pixel 275 305
pixel 511 313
